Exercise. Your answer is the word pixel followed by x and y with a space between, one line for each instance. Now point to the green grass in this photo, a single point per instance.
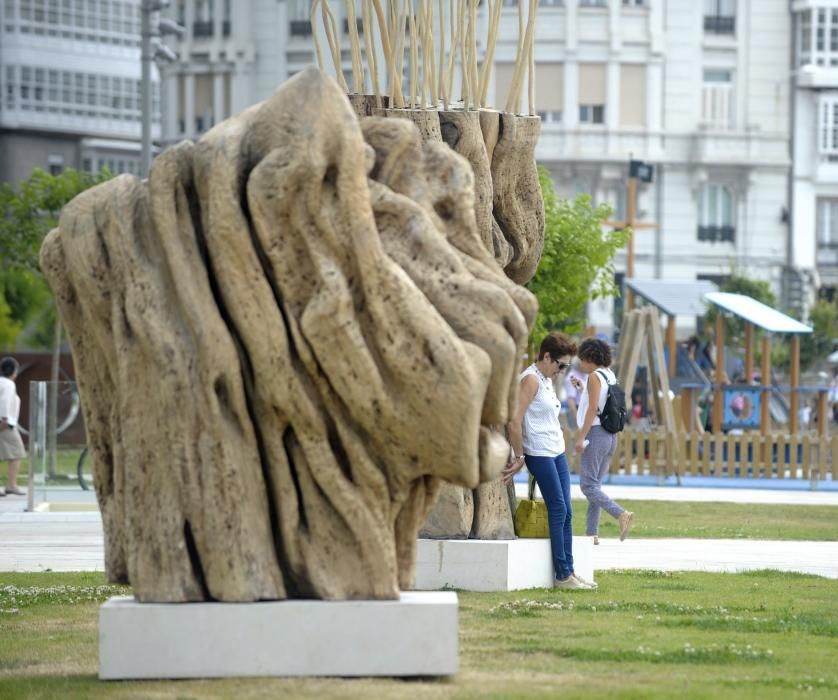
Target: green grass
pixel 642 634
pixel 719 520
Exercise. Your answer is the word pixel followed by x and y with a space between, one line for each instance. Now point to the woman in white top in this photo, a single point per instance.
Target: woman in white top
pixel 536 438
pixel 11 446
pixel 593 442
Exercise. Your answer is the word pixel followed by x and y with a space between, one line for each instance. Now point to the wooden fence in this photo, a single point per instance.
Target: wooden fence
pixel 747 455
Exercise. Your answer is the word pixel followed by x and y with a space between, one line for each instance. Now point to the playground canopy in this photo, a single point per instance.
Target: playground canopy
pixel 757 313
pixel 674 297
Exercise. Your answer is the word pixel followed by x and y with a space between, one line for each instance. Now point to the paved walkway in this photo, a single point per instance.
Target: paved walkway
pixel 74 542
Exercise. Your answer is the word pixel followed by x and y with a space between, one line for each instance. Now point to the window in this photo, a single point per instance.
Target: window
pixel 593 3
pixel 56 163
pixel 592 92
pixel 828 124
pixel 591 114
pixel 717 99
pixel 827 222
pixel 716 214
pixel 720 16
pixel 634 3
pixel 817 37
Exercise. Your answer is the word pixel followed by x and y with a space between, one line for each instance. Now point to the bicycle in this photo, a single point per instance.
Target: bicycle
pixel 85 481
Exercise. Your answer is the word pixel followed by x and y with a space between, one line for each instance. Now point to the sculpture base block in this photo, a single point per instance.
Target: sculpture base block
pixel 494 565
pixel 413 636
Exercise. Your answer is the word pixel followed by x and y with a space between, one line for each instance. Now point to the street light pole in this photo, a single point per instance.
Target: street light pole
pixel 150 50
pixel 147 57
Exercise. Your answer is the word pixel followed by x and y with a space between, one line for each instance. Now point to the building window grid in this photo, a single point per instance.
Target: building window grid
pixel 828 126
pixel 716 214
pixel 78 94
pixel 592 114
pixel 720 16
pixel 104 21
pixel 818 37
pixel 827 222
pixel 717 99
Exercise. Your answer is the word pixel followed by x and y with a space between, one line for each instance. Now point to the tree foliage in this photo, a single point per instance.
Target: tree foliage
pixel 28 213
pixel 577 263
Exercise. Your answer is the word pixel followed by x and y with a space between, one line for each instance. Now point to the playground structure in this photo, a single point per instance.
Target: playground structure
pixel 745 440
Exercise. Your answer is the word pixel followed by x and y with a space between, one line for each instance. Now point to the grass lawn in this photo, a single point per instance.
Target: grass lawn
pixel 718 520
pixel 642 634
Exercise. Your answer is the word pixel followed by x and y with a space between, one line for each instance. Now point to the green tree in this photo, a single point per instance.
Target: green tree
pixel 27 213
pixel 577 263
pixel 823 317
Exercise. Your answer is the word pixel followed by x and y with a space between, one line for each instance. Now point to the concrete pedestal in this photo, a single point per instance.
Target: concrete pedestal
pixel 414 636
pixel 494 565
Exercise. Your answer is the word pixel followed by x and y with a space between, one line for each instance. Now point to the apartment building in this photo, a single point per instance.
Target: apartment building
pixel 700 90
pixel 70 86
pixel 814 205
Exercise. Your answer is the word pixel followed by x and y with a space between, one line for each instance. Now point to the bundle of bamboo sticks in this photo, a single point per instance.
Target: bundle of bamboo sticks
pixel 435 50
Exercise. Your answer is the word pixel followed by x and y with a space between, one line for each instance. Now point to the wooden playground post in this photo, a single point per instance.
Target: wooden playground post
pixel 718 394
pixel 794 403
pixel 671 346
pixel 749 352
pixel 765 413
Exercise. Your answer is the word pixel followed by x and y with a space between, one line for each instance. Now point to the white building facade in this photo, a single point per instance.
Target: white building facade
pixel 70 86
pixel 699 88
pixel 815 141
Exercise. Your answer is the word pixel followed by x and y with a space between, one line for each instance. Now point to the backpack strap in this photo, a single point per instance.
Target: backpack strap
pixel 603 375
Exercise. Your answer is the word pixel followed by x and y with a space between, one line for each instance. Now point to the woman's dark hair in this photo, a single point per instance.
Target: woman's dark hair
pixel 595 351
pixel 8 366
pixel 557 345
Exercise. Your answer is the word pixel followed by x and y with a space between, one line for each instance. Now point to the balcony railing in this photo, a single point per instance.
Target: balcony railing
pixel 716 24
pixel 717 234
pixel 300 27
pixel 202 28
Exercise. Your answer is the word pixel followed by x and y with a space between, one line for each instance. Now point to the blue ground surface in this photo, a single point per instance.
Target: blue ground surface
pixel 708 482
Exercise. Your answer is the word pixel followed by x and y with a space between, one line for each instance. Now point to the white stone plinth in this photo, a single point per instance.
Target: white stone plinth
pixel 494 565
pixel 414 636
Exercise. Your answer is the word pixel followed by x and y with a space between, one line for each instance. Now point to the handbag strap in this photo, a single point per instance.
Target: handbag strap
pixel 531 494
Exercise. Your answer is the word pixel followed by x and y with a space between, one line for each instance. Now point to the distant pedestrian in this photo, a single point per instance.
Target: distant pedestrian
pixel 11 446
pixel 594 443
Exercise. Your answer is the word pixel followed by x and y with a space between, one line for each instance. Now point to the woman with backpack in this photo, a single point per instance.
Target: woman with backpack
pixel 594 443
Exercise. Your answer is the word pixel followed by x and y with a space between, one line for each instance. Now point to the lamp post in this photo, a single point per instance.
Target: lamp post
pixel 150 50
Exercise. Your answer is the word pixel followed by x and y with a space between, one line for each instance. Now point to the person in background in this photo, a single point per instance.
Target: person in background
pixel 537 440
pixel 11 446
pixel 594 444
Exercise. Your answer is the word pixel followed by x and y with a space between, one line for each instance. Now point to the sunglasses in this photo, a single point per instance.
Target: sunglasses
pixel 562 365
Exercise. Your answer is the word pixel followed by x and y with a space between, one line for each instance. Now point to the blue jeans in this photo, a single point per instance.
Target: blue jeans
pixel 553 478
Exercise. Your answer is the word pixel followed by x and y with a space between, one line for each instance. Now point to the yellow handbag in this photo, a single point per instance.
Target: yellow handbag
pixel 531 516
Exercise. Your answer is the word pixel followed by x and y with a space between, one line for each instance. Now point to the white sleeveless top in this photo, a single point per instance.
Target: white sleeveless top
pixel 542 433
pixel 603 391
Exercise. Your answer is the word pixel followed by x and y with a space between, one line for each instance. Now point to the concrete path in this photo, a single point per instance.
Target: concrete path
pixel 74 542
pixel 819 558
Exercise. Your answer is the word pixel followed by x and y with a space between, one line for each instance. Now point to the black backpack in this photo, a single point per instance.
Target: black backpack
pixel 613 415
